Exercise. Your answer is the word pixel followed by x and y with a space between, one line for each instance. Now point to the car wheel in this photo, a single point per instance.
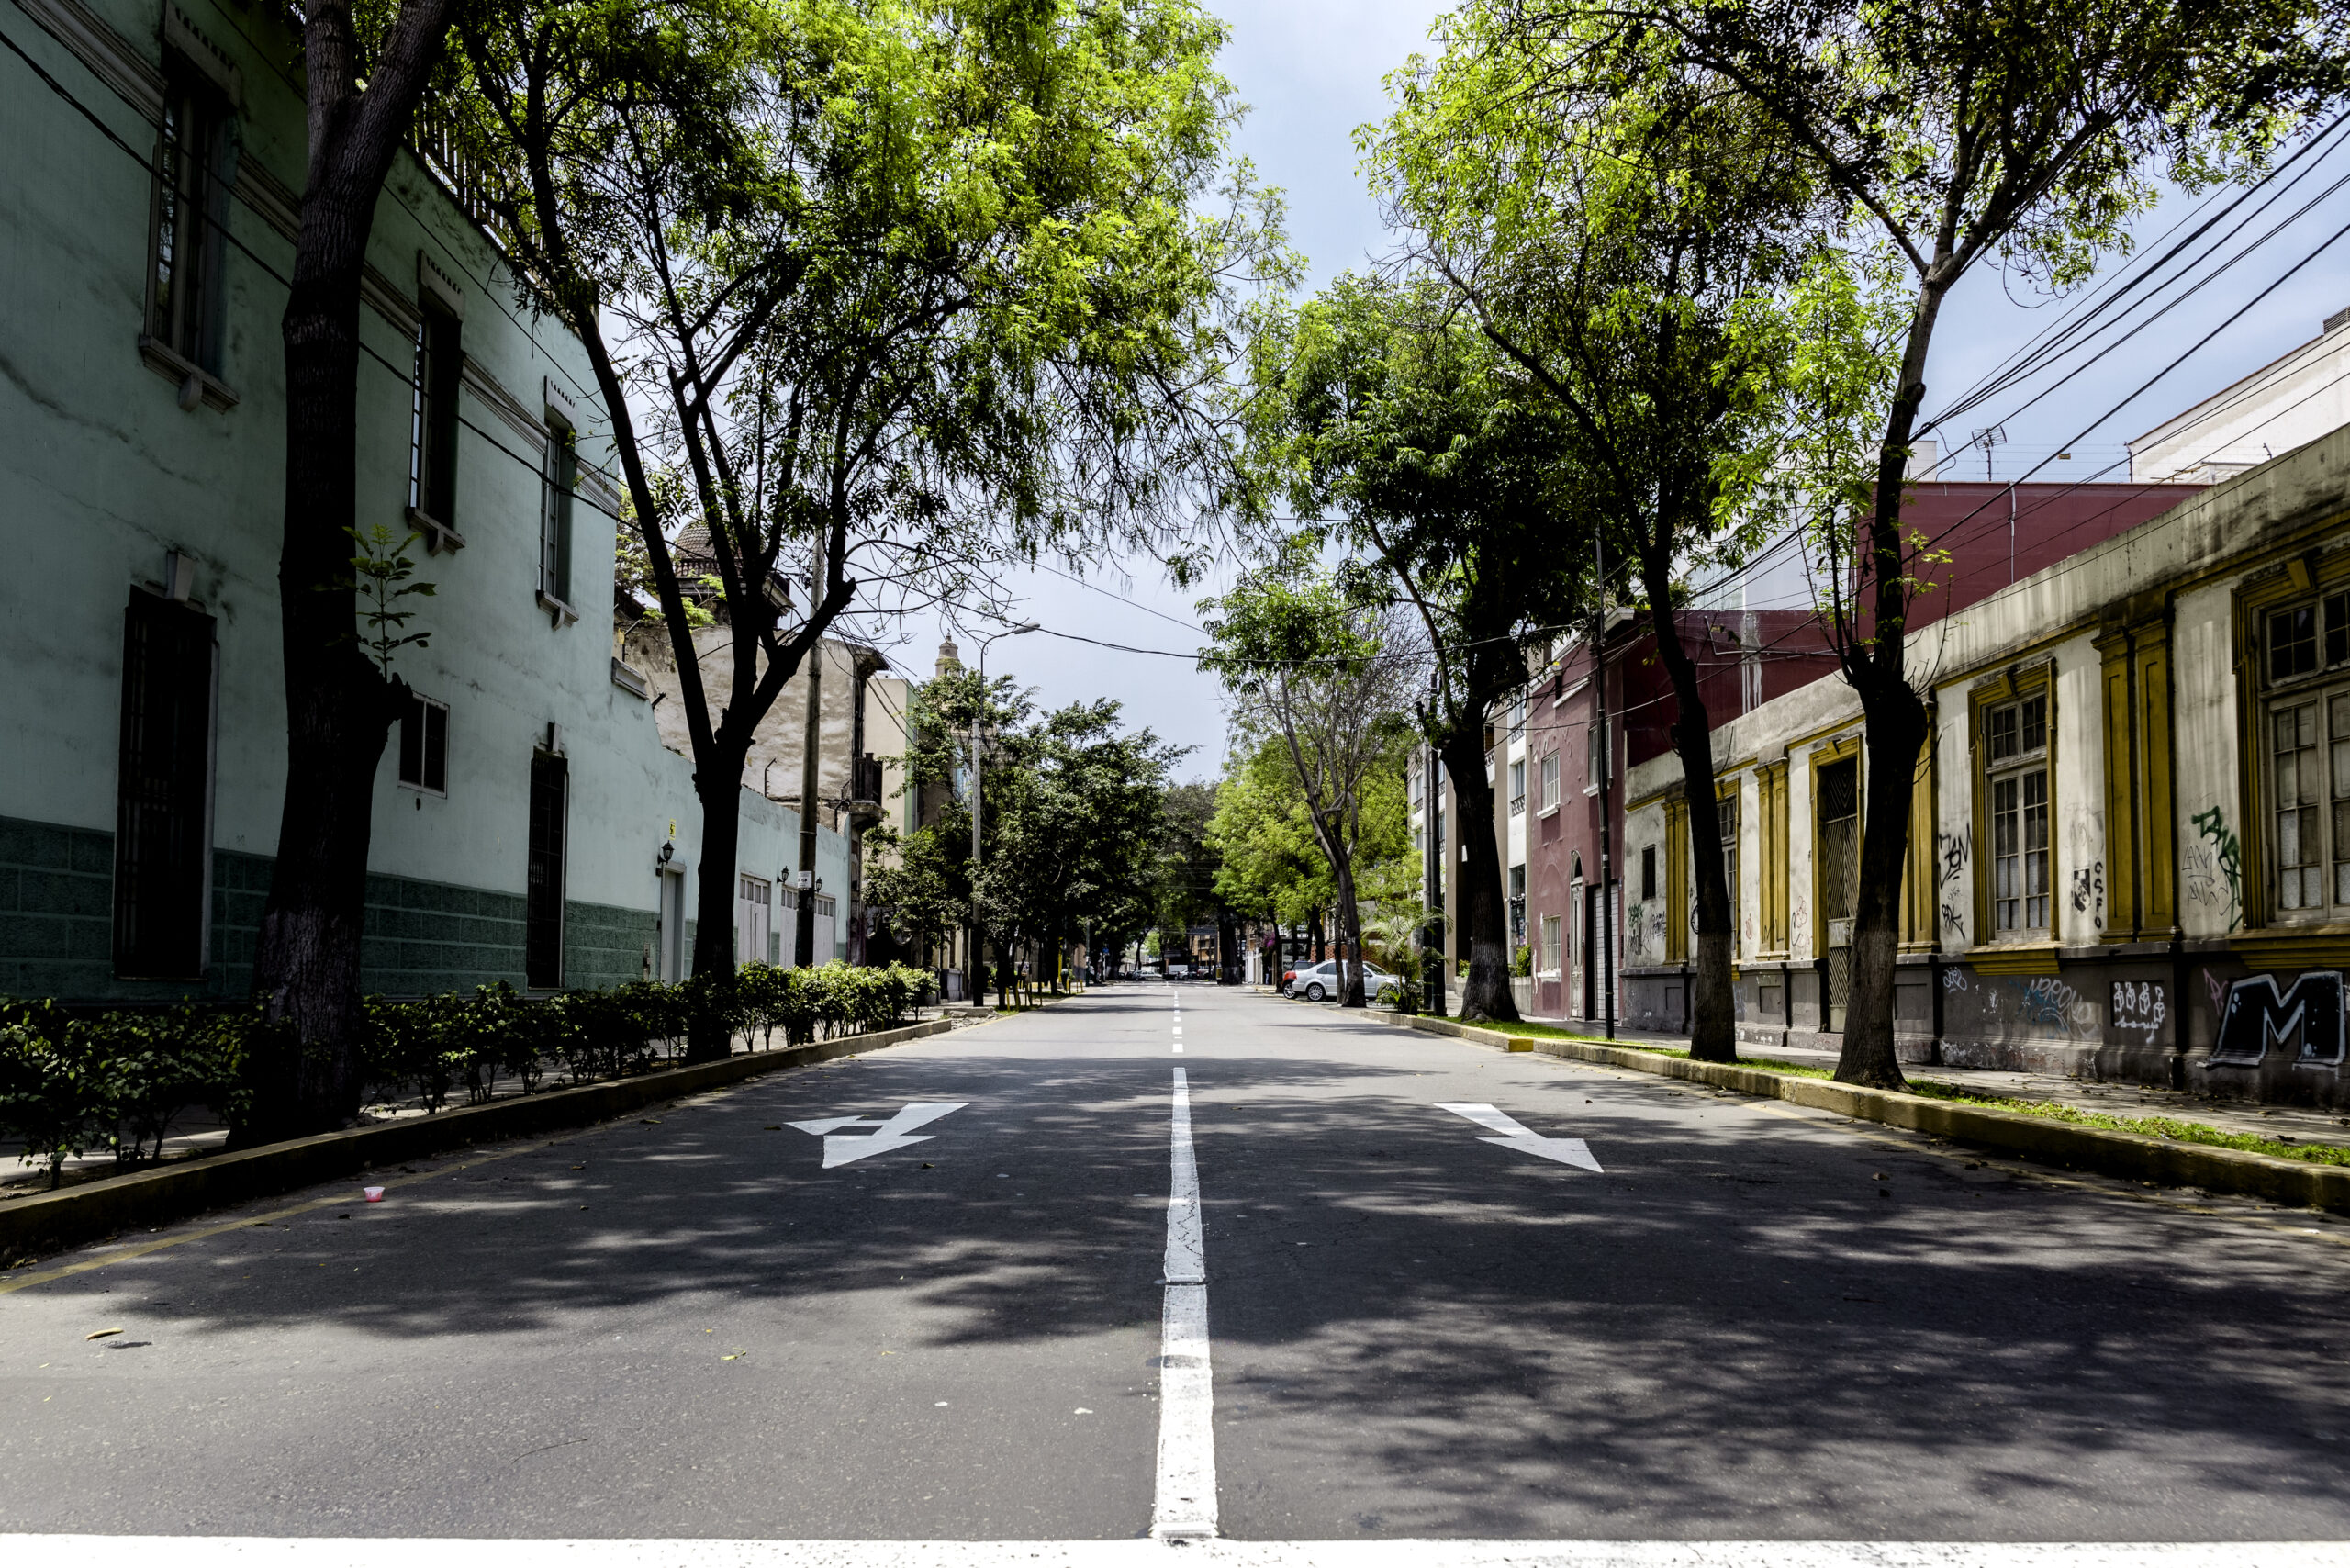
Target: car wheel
pixel 1313 992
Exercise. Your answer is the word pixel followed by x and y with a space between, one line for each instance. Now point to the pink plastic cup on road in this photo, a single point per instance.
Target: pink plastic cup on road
pixel 375 1195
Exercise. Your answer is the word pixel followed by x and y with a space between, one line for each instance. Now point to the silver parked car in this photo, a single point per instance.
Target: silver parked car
pixel 1319 982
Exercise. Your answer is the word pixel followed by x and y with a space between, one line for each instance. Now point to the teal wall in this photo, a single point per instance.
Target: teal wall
pixel 102 473
pixel 56 928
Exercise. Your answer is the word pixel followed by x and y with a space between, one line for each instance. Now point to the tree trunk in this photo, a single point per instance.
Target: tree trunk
pixel 1483 916
pixel 1896 733
pixel 339 708
pixel 1713 1022
pixel 1895 715
pixel 719 787
pixel 1349 923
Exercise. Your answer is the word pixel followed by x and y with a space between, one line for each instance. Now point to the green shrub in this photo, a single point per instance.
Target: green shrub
pixel 121 1080
pixel 139 1072
pixel 40 1100
pixel 606 1037
pixel 117 1082
pixel 775 998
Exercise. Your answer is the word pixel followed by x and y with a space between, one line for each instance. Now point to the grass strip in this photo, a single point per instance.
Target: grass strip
pixel 2146 1126
pixel 1772 1064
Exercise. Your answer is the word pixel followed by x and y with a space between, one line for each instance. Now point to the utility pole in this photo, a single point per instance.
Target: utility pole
pixel 803 936
pixel 1604 751
pixel 1432 963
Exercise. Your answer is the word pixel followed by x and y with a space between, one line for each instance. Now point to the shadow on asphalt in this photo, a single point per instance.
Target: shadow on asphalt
pixel 1733 1331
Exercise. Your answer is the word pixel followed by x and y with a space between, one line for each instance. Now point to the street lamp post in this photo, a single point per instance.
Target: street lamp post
pixel 971 951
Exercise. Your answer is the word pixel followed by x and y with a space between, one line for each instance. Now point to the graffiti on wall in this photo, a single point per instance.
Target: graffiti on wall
pixel 2045 1002
pixel 1955 979
pixel 1950 881
pixel 1636 930
pixel 2089 866
pixel 2140 1005
pixel 2214 870
pixel 2088 892
pixel 2303 1020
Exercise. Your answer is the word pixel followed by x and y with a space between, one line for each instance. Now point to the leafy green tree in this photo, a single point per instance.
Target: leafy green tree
pixel 925 887
pixel 931 891
pixel 1267 860
pixel 898 291
pixel 1076 830
pixel 1185 882
pixel 1071 822
pixel 1333 683
pixel 2025 134
pixel 1631 258
pixel 1455 495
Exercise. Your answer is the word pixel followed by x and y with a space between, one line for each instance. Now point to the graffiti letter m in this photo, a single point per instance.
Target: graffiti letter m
pixel 2305 1020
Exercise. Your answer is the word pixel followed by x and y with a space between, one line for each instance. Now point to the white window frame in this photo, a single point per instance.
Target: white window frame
pixel 2313 693
pixel 2022 874
pixel 424 707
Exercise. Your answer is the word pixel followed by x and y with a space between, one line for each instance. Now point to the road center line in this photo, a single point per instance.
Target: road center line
pixel 1184 1507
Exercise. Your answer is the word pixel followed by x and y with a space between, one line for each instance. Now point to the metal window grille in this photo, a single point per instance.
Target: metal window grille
pixel 163 791
pixel 1839 818
pixel 543 886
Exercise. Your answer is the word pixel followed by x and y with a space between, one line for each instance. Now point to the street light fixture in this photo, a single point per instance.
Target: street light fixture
pixel 971 952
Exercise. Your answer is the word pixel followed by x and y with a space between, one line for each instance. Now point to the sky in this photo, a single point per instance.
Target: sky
pixel 1311 72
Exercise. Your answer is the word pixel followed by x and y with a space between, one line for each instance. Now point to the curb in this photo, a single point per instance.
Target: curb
pixel 2131 1156
pixel 142 1199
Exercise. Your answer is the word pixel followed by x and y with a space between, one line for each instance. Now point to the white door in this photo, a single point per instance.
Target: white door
pixel 669 933
pixel 751 920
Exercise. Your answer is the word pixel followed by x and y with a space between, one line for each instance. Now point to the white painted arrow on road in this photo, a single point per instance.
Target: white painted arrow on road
pixel 897 1132
pixel 1565 1150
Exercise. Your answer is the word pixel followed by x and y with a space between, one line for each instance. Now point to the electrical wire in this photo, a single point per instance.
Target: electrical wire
pixel 2181 298
pixel 1122 599
pixel 2055 341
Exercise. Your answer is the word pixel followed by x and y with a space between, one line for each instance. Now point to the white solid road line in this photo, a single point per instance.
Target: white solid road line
pixel 297 1552
pixel 1184 1507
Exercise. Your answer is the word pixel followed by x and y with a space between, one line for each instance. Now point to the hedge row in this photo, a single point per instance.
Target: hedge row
pixel 117 1082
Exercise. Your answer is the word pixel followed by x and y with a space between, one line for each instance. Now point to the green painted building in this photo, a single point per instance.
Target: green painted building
pixel 529 823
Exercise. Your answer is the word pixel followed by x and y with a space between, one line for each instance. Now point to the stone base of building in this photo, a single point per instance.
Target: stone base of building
pixel 2204 1017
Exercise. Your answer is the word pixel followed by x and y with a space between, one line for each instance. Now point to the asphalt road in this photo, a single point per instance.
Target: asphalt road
pixel 1753 1322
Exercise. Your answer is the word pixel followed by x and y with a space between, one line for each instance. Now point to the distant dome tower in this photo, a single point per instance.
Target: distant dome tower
pixel 948 659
